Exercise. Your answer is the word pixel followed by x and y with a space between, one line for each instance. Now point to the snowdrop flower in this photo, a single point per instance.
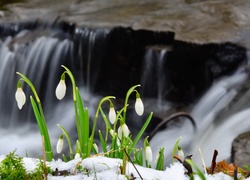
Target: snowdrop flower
pixel 20 96
pixel 148 154
pixel 112 114
pixel 180 153
pixel 59 145
pixel 96 147
pixel 77 156
pixel 61 88
pixel 139 107
pixel 148 151
pixel 123 130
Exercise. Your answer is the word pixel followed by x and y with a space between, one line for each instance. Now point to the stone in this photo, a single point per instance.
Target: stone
pixel 240 154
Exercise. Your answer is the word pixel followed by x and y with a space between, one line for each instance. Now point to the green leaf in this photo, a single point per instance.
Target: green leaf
pixel 142 130
pixel 198 171
pixel 43 130
pixel 103 142
pixel 160 160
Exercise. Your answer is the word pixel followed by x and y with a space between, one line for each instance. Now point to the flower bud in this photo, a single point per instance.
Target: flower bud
pixel 95 147
pixel 20 97
pixel 61 89
pixel 77 156
pixel 148 154
pixel 180 153
pixel 59 145
pixel 139 107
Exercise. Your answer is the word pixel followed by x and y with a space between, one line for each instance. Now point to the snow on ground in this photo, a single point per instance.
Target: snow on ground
pixel 102 168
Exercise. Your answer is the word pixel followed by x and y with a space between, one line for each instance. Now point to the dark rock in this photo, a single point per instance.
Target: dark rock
pixel 240 154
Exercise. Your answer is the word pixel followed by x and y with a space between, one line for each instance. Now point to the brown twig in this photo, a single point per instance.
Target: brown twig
pixel 133 164
pixel 171 118
pixel 213 163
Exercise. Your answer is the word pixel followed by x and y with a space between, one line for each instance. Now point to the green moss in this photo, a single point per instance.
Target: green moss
pixel 12 167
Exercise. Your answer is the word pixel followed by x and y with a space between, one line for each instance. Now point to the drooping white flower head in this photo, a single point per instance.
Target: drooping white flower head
pixel 61 89
pixel 148 154
pixel 20 97
pixel 112 114
pixel 123 130
pixel 59 145
pixel 139 107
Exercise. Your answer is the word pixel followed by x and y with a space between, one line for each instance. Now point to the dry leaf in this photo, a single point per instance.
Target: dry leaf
pixel 222 166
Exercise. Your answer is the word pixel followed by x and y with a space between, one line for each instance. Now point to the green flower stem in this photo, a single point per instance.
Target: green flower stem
pixel 108 127
pixel 76 104
pixel 38 111
pixel 130 91
pixel 107 98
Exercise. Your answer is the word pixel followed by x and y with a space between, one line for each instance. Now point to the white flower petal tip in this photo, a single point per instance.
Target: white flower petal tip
pixel 123 130
pixel 77 156
pixel 112 115
pixel 96 147
pixel 149 154
pixel 61 89
pixel 59 145
pixel 181 154
pixel 20 97
pixel 139 107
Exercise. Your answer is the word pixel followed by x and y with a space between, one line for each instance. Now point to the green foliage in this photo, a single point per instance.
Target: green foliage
pixel 12 167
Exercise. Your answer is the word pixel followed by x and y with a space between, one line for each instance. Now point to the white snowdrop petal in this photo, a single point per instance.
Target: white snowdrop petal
pixel 112 115
pixel 123 130
pixel 20 98
pixel 59 145
pixel 119 131
pixel 61 90
pixel 139 107
pixel 181 154
pixel 96 147
pixel 77 156
pixel 149 154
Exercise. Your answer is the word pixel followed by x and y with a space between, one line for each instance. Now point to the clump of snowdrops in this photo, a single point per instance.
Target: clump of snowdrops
pixel 121 145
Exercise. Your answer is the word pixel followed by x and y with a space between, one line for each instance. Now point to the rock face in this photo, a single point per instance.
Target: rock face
pixel 241 150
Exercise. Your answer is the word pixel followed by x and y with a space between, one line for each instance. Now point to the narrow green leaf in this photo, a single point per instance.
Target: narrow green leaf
pixel 160 160
pixel 198 171
pixel 83 124
pixel 43 130
pixel 103 142
pixel 142 130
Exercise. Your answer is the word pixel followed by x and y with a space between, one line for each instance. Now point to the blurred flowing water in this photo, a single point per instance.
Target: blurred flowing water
pixel 221 113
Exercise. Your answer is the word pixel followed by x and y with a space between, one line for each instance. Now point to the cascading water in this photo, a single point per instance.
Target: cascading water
pixel 153 74
pixel 108 62
pixel 221 114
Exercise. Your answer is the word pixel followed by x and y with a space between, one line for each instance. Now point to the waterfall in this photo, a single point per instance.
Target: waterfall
pixel 108 62
pixel 154 80
pixel 220 116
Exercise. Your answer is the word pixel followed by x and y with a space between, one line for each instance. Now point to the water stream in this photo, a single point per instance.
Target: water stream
pixel 221 113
